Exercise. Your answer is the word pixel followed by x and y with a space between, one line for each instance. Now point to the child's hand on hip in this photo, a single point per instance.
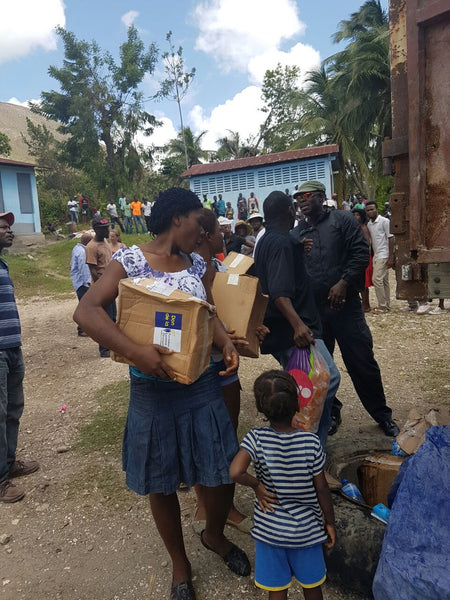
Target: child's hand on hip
pixel 265 498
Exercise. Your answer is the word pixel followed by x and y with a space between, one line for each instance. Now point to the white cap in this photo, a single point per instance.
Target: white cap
pixel 224 221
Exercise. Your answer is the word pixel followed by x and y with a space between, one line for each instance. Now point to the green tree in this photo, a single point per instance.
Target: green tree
pixel 282 104
pixel 100 106
pixel 176 84
pixel 186 143
pixel 231 147
pixel 5 146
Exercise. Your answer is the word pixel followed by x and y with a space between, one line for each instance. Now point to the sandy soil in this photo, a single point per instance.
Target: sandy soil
pixel 70 541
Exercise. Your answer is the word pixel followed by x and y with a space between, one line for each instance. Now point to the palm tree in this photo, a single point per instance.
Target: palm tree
pixel 189 145
pixel 231 147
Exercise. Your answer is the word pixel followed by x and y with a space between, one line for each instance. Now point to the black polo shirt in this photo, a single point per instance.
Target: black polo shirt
pixel 281 271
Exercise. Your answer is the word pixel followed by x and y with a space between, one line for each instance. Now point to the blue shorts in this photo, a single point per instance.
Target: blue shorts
pixel 275 566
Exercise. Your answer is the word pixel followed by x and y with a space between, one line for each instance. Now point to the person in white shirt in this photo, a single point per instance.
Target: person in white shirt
pixel 383 255
pixel 147 211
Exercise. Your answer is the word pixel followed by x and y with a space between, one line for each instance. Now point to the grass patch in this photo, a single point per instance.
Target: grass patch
pixel 47 273
pixel 104 430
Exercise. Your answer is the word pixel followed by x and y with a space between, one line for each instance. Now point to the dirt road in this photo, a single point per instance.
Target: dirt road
pixel 71 540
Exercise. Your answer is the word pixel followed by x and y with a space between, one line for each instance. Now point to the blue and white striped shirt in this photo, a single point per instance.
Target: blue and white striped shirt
pixel 9 315
pixel 286 463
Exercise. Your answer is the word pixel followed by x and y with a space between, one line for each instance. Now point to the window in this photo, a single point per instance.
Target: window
pixel 242 181
pixel 25 196
pixel 294 173
pixel 261 179
pixel 212 185
pixel 321 170
pixel 204 186
pixel 312 171
pixel 303 173
pixel 269 176
pixel 286 177
pixel 235 183
pixel 227 183
pixel 197 189
pixel 220 184
pixel 2 203
pixel 250 180
pixel 278 178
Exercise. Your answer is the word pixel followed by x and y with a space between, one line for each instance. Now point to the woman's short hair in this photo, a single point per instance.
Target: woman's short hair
pixel 173 202
pixel 208 220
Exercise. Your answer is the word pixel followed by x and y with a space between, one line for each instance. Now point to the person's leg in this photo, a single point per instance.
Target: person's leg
pixel 278 595
pixel 355 342
pixel 167 516
pixel 80 293
pixel 330 343
pixel 335 379
pixel 379 271
pixel 111 311
pixel 217 503
pixel 119 223
pixel 12 372
pixel 387 288
pixel 141 221
pixel 313 593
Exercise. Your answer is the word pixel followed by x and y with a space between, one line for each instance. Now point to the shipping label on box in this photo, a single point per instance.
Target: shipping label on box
pixel 238 263
pixel 152 312
pixel 241 306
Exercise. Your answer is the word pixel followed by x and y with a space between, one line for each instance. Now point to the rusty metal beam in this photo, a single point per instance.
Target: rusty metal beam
pixel 432 11
pixel 434 255
pixel 417 169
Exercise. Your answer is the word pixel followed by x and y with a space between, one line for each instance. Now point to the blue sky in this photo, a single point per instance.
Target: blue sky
pixel 230 43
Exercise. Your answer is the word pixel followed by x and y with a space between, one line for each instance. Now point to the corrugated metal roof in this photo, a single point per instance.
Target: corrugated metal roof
pixel 18 163
pixel 263 159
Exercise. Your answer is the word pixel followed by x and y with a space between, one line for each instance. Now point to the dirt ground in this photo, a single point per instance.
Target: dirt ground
pixel 71 541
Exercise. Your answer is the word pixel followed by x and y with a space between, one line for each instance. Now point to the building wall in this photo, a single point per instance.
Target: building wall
pixel 18 194
pixel 264 179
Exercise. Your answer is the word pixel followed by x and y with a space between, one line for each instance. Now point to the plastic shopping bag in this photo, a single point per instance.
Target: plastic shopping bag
pixel 310 371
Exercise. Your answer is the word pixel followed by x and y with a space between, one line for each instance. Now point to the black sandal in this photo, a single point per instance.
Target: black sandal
pixel 183 591
pixel 235 559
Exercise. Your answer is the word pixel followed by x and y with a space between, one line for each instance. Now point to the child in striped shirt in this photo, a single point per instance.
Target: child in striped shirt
pixel 291 493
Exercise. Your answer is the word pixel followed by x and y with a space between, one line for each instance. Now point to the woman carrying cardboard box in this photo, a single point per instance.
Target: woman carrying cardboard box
pixel 174 433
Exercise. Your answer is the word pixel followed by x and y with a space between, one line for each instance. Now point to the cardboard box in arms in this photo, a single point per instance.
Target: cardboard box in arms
pixel 152 312
pixel 241 306
pixel 238 263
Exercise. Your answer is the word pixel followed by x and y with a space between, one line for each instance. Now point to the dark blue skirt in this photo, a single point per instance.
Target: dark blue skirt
pixel 177 433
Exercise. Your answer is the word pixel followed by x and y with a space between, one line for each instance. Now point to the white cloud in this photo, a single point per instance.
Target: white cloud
pixel 29 24
pixel 26 103
pixel 301 55
pixel 234 32
pixel 160 136
pixel 241 114
pixel 129 18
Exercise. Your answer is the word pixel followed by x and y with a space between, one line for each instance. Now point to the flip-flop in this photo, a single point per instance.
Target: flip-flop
pixel 183 591
pixel 235 559
pixel 245 525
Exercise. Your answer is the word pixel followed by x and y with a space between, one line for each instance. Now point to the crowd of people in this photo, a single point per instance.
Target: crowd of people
pixel 311 260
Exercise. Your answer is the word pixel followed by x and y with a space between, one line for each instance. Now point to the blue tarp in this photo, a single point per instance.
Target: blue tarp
pixel 415 558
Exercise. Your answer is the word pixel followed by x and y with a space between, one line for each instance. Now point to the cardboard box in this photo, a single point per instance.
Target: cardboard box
pixel 241 306
pixel 151 312
pixel 412 434
pixel 238 263
pixel 376 474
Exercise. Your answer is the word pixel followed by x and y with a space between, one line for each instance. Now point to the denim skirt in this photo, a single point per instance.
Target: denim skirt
pixel 177 433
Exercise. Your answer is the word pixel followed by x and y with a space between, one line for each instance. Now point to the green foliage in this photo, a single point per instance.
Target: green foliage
pixel 100 108
pixel 5 146
pixel 231 147
pixel 281 96
pixel 385 186
pixel 186 146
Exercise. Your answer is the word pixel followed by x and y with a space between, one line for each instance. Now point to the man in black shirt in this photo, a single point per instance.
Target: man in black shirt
pixel 291 314
pixel 336 264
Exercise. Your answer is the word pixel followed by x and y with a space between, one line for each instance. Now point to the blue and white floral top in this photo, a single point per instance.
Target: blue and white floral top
pixel 189 280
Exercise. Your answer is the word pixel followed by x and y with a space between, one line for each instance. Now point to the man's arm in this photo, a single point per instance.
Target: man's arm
pixel 303 336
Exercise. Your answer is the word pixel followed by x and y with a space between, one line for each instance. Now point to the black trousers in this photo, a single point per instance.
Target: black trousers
pixel 80 293
pixel 349 329
pixel 111 311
